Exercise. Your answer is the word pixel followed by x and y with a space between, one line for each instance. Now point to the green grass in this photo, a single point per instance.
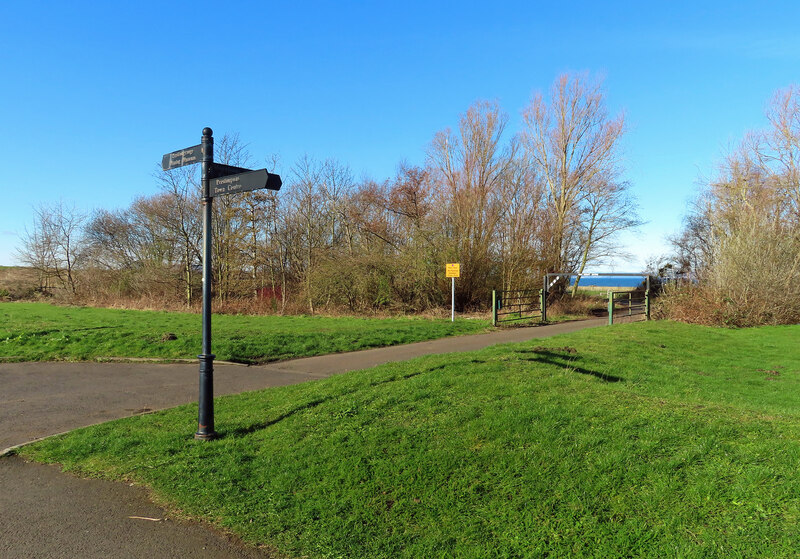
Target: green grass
pixel 639 440
pixel 42 332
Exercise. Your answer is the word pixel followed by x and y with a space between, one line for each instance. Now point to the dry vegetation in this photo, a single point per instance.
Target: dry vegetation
pixel 741 244
pixel 581 304
pixel 18 282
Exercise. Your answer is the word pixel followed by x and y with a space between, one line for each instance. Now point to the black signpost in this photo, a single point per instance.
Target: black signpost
pixel 215 179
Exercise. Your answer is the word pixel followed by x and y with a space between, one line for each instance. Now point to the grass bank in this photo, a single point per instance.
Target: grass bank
pixel 639 440
pixel 42 332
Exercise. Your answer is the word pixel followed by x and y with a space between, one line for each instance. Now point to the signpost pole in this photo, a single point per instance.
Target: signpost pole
pixel 205 418
pixel 452 271
pixel 453 300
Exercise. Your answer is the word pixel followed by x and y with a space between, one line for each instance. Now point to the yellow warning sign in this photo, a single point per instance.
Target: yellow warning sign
pixel 452 270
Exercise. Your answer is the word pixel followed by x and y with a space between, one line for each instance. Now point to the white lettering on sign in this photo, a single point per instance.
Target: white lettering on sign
pixel 228 180
pixel 183 157
pixel 226 185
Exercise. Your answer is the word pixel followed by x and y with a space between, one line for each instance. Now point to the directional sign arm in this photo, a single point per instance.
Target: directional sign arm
pixel 244 182
pixel 218 170
pixel 182 157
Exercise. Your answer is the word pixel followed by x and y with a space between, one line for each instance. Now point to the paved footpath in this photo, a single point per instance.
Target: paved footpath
pixel 46 514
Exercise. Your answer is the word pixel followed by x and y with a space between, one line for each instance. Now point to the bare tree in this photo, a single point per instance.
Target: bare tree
pixel 308 210
pixel 608 210
pixel 524 229
pixel 575 146
pixel 779 148
pixel 184 190
pixel 742 239
pixel 38 251
pixel 230 218
pixel 55 244
pixel 469 169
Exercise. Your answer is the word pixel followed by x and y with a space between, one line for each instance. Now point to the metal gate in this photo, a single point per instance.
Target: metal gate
pixel 619 301
pixel 628 303
pixel 517 304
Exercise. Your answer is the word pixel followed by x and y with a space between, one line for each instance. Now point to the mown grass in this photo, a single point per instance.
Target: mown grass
pixel 42 332
pixel 639 440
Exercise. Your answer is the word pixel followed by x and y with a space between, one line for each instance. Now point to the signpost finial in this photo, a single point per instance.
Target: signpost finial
pixel 207 131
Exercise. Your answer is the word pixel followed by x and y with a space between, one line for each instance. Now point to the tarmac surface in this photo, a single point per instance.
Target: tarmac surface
pixel 47 514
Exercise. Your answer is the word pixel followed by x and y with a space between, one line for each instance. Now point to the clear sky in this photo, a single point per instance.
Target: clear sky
pixel 92 94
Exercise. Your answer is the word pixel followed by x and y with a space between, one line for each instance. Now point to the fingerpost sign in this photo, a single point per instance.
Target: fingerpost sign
pixel 216 180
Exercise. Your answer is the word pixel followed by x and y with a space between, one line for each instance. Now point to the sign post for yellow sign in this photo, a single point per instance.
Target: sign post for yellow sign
pixel 452 271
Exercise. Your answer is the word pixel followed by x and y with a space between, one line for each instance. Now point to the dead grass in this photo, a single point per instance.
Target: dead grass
pixel 702 304
pixel 18 282
pixel 580 305
pixel 257 307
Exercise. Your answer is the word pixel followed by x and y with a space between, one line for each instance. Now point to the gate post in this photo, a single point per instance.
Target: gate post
pixel 543 304
pixel 494 307
pixel 630 300
pixel 610 308
pixel 647 305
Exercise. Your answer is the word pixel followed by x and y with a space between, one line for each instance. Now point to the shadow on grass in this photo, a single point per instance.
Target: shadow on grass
pixel 243 431
pixel 553 357
pixel 58 331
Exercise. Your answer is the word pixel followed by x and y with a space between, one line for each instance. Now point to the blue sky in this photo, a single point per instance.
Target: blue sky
pixel 93 94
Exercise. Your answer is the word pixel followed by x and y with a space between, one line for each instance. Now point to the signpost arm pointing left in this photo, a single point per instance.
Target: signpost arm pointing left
pixel 205 419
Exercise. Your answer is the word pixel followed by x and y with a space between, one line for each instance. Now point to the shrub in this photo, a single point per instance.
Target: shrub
pixel 753 279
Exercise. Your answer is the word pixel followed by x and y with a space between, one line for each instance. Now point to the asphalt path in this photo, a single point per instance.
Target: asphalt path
pixel 47 514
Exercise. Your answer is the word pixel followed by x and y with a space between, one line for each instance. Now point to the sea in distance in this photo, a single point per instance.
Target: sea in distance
pixel 609 281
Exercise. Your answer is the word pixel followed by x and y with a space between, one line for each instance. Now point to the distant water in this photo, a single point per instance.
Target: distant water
pixel 609 281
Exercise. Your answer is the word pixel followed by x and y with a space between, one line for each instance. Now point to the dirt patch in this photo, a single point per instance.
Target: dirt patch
pixel 772 374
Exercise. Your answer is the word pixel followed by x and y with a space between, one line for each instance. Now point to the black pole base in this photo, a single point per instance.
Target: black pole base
pixel 205 416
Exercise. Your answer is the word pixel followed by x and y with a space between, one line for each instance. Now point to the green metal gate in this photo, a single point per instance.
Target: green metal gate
pixel 517 304
pixel 628 303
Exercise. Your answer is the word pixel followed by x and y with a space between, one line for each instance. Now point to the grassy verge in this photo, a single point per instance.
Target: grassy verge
pixel 42 332
pixel 640 440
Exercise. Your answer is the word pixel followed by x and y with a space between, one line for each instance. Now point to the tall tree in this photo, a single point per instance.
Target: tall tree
pixel 183 190
pixel 576 146
pixel 743 235
pixel 469 169
pixel 230 218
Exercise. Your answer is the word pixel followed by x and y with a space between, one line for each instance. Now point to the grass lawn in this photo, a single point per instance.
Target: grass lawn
pixel 640 440
pixel 42 332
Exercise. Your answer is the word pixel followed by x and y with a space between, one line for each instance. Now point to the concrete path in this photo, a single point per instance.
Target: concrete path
pixel 42 399
pixel 46 514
